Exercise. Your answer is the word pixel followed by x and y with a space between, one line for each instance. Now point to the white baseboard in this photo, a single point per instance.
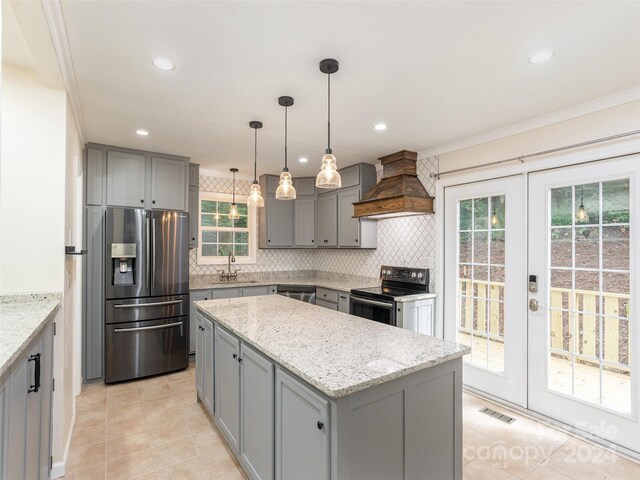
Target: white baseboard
pixel 58 469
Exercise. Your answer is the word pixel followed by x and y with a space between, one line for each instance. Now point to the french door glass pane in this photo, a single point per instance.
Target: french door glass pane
pixel 481 290
pixel 589 297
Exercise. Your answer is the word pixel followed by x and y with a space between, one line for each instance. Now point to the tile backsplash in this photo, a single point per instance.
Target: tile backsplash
pixel 405 241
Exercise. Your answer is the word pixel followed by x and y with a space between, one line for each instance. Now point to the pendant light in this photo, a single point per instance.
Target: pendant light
pixel 233 211
pixel 255 197
pixel 285 191
pixel 328 176
pixel 582 212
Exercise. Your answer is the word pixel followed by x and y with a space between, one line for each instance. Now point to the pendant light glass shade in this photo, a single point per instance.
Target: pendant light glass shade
pixel 582 215
pixel 255 195
pixel 328 176
pixel 285 190
pixel 233 211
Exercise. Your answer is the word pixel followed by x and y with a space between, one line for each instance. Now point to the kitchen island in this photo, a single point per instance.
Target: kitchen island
pixel 302 392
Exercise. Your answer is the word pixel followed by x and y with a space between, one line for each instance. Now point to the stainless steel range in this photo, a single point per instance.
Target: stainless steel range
pixel 379 303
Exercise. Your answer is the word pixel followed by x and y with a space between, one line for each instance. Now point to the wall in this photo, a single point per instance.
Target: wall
pixel 408 241
pixel 32 183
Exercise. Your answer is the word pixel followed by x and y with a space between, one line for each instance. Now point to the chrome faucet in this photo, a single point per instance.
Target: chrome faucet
pixel 228 276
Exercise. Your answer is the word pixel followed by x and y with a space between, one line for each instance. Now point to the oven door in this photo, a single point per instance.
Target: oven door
pixel 377 310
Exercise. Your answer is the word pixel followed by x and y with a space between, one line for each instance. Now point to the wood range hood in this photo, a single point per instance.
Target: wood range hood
pixel 400 193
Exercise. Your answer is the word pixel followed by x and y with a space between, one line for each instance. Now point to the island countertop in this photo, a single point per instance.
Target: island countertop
pixel 337 353
pixel 22 318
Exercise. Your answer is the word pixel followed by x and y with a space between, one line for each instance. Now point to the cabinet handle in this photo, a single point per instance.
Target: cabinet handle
pixel 239 359
pixel 343 297
pixel 235 355
pixel 320 425
pixel 36 386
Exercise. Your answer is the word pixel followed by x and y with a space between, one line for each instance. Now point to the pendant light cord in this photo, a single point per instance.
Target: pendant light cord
pixel 286 110
pixel 255 156
pixel 329 112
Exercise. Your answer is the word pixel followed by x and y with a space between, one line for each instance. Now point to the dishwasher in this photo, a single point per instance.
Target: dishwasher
pixel 304 293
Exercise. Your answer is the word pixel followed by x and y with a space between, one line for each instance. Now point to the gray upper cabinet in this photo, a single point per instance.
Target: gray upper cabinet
pixel 194 175
pixel 125 179
pixel 256 412
pixel 348 227
pixel 327 220
pixel 305 186
pixel 227 381
pixel 302 431
pixel 279 222
pixel 94 174
pixel 304 211
pixel 168 184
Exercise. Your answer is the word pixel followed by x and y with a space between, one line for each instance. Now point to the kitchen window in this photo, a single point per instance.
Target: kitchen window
pixel 218 234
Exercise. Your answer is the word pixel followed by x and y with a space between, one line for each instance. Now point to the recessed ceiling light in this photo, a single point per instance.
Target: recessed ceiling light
pixel 541 56
pixel 142 133
pixel 303 159
pixel 381 126
pixel 163 64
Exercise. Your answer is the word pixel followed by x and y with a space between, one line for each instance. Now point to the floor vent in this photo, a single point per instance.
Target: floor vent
pixel 498 416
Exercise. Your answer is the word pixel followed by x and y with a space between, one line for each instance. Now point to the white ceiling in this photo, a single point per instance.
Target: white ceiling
pixel 435 72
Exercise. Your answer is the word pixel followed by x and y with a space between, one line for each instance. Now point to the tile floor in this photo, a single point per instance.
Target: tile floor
pixel 154 429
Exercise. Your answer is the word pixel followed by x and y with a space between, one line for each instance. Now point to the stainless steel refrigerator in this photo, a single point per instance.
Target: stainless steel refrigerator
pixel 146 292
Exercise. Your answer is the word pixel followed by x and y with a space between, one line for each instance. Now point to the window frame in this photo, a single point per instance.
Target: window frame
pixel 251 228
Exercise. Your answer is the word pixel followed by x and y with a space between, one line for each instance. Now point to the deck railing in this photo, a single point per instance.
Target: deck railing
pixel 585 307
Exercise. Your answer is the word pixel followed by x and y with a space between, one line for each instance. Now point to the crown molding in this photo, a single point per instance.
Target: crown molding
pixel 55 19
pixel 224 174
pixel 602 103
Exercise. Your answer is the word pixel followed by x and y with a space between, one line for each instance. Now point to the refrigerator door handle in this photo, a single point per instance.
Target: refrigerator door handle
pixel 155 327
pixel 153 253
pixel 153 304
pixel 148 273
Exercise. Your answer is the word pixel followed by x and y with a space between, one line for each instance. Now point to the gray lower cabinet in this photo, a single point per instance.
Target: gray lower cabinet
pixel 205 364
pixel 227 382
pixel 26 413
pixel 125 179
pixel 325 304
pixel 255 291
pixel 302 448
pixel 417 316
pixel 168 183
pixel 343 302
pixel 327 220
pixel 256 413
pixel 195 296
pixel 304 212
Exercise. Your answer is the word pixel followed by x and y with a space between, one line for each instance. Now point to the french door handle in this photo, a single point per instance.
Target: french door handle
pixel 151 304
pixel 533 305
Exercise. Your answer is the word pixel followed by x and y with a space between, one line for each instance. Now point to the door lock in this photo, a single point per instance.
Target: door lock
pixel 533 283
pixel 533 305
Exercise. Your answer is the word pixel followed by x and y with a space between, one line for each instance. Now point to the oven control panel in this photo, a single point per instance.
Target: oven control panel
pixel 419 276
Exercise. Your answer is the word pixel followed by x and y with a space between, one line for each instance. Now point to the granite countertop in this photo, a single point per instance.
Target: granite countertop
pixel 204 282
pixel 337 353
pixel 22 318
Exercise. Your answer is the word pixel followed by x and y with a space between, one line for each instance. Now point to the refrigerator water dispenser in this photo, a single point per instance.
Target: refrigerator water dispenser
pixel 123 263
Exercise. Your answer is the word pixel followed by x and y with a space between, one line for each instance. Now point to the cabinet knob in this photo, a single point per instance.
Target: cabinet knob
pixel 153 201
pixel 239 359
pixel 193 239
pixel 142 200
pixel 235 355
pixel 356 240
pixel 320 425
pixel 268 240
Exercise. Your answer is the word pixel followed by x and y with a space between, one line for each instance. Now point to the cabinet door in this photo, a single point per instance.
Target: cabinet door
pixel 208 365
pixel 343 302
pixel 4 428
pixel 302 431
pixel 168 184
pixel 195 296
pixel 325 304
pixel 304 221
pixel 255 291
pixel 279 222
pixel 348 227
pixel 194 175
pixel 47 390
pixel 227 379
pixel 327 220
pixel 197 320
pixel 256 413
pixel 125 179
pixel 217 293
pixel 17 421
pixel 417 316
pixel 194 216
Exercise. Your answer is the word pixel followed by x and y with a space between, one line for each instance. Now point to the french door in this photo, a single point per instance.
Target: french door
pixel 583 334
pixel 485 288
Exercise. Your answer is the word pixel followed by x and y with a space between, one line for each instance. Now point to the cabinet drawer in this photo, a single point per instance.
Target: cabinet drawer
pixel 327 295
pixel 255 291
pixel 217 293
pixel 325 304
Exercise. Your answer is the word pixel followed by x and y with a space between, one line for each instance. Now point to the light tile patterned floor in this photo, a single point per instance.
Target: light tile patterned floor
pixel 154 429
